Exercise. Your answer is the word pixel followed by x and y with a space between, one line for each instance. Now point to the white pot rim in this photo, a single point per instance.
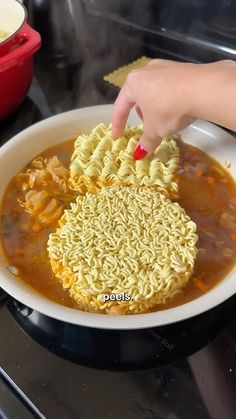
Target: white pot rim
pixel 28 143
pixel 22 19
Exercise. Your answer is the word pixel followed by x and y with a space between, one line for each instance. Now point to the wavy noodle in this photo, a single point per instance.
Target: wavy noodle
pixel 130 240
pixel 100 160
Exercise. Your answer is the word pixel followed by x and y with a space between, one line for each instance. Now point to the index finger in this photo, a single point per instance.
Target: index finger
pixel 122 107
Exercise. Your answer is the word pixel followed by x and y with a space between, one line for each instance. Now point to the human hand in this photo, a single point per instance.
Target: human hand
pixel 159 93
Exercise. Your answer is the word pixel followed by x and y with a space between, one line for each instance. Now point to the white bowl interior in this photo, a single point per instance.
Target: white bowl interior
pixel 12 16
pixel 25 146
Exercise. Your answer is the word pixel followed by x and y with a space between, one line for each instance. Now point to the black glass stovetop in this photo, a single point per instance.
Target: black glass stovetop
pixel 52 369
pixel 49 369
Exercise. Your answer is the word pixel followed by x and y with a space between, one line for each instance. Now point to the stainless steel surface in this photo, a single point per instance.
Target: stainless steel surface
pixel 10 405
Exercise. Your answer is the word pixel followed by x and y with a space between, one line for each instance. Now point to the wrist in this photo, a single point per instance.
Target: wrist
pixel 206 86
pixel 197 85
pixel 189 83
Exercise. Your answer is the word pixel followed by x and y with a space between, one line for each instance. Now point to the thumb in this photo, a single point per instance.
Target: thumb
pixel 146 145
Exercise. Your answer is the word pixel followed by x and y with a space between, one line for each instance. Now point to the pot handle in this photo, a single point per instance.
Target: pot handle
pixel 31 42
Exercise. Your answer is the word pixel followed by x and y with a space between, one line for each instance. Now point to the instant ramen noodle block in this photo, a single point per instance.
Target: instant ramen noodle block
pixel 117 78
pixel 99 160
pixel 129 242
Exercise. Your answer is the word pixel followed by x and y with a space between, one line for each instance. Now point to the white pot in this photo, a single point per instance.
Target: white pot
pixel 17 152
pixel 12 16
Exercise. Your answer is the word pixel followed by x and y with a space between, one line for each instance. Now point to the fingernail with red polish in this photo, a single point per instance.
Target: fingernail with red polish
pixel 139 153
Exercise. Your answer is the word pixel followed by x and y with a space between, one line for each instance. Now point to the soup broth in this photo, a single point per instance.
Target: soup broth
pixel 207 192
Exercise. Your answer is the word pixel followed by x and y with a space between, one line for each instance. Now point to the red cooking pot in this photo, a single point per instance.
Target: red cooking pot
pixel 16 55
